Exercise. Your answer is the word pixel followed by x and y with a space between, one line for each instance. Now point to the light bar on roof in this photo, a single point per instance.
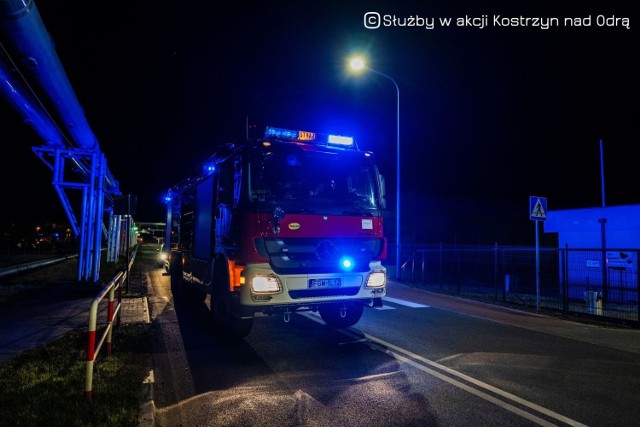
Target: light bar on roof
pixel 346 141
pixel 305 136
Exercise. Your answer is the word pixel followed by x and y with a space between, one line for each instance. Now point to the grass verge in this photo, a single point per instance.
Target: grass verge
pixel 31 283
pixel 45 386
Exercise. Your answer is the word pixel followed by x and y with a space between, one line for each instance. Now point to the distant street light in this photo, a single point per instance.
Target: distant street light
pixel 358 64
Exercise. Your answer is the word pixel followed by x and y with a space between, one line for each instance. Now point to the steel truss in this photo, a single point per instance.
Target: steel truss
pixel 91 224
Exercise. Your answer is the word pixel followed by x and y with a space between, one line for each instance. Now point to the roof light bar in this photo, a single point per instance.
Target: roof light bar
pixel 305 136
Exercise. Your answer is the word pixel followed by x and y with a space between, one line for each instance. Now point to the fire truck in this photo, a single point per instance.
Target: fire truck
pixel 289 222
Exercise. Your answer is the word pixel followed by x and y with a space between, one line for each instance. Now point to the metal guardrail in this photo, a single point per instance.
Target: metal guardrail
pixel 113 312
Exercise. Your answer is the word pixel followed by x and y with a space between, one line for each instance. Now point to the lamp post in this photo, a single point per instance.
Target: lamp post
pixel 358 64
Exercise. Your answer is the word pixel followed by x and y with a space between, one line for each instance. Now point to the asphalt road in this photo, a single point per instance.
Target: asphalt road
pixel 423 359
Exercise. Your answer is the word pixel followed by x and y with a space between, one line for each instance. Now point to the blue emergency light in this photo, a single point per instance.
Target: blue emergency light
pixel 346 263
pixel 281 133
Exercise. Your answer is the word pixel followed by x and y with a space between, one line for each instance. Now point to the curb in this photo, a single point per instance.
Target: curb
pixel 147 409
pixel 146 416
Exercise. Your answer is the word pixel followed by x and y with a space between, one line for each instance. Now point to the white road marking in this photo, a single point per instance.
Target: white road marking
pixel 385 307
pixel 405 303
pixel 419 362
pixel 477 383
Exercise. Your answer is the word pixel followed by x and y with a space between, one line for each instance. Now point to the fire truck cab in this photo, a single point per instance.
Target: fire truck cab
pixel 290 222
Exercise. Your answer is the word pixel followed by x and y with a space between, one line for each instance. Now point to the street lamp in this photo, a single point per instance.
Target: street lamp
pixel 358 64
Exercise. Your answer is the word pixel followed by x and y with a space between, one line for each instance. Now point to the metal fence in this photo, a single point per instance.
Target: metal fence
pixel 593 282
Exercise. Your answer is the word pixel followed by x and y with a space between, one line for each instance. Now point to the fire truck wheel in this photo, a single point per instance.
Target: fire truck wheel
pixel 177 288
pixel 226 322
pixel 331 315
pixel 194 295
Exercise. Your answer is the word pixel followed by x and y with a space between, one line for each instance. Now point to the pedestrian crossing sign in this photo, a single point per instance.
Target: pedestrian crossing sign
pixel 537 208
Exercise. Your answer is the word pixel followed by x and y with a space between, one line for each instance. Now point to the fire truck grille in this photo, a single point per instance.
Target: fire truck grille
pixel 318 255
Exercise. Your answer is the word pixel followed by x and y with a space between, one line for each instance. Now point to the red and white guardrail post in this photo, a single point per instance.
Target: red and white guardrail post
pixel 112 311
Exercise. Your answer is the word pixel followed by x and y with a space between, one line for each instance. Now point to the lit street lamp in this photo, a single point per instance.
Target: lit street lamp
pixel 358 64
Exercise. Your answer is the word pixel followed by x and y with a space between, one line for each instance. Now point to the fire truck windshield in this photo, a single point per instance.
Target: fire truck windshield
pixel 315 180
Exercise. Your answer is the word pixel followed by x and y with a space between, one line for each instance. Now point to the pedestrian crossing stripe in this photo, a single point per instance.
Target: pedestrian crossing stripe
pixel 538 211
pixel 405 303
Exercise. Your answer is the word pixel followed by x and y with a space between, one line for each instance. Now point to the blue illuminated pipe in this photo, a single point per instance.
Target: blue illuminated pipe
pixel 31 46
pixel 25 105
pixel 33 115
pixel 33 50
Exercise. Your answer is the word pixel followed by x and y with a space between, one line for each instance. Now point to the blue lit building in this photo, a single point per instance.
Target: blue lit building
pixel 582 228
pixel 595 237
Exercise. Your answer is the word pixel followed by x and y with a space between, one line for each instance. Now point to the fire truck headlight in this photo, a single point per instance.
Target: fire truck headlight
pixel 265 284
pixel 376 280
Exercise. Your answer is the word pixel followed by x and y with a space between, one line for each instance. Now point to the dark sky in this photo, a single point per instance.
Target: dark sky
pixel 488 116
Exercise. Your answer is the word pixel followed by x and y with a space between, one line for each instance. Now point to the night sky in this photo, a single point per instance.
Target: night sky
pixel 489 115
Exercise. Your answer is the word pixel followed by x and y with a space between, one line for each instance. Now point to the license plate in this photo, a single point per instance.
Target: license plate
pixel 325 283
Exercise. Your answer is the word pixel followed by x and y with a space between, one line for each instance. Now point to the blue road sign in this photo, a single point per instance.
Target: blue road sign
pixel 537 208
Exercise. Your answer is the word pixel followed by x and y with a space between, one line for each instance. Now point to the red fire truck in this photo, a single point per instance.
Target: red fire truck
pixel 292 221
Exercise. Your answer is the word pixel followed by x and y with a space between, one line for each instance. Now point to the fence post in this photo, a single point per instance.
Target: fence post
pixel 110 318
pixel 605 285
pixel 458 279
pixel 413 267
pixel 495 272
pixel 638 288
pixel 119 302
pixel 91 348
pixel 424 281
pixel 504 270
pixel 565 278
pixel 440 267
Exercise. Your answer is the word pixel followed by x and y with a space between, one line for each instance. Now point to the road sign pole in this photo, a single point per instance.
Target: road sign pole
pixel 537 213
pixel 537 268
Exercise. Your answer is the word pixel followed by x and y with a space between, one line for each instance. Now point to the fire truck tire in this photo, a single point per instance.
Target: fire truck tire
pixel 227 323
pixel 194 295
pixel 225 315
pixel 330 313
pixel 175 270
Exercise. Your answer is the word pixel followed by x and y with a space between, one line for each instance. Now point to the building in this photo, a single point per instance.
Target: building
pixel 602 249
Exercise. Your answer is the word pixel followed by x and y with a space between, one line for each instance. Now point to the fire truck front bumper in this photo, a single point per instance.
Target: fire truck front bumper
pixel 264 288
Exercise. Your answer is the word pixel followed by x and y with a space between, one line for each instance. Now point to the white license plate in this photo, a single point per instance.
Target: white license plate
pixel 335 282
